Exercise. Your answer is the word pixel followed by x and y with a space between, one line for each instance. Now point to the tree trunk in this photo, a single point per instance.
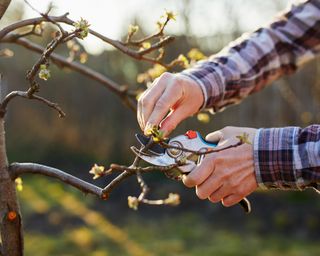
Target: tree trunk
pixel 10 217
pixel 3 7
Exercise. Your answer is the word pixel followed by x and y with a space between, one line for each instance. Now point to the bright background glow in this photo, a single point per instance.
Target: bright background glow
pixel 206 17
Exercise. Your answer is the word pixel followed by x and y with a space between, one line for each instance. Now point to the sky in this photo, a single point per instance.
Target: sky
pixel 206 17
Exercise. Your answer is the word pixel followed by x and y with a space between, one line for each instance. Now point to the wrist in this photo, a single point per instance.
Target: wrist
pixel 201 92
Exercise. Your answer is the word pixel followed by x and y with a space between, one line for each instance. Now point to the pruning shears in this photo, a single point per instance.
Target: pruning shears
pixel 183 152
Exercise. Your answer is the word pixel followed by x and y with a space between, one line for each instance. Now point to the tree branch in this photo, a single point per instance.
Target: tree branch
pixel 64 19
pixel 62 62
pixel 107 189
pixel 4 4
pixel 117 167
pixel 18 169
pixel 25 95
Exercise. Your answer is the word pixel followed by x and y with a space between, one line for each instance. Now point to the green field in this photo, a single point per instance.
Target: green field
pixel 60 223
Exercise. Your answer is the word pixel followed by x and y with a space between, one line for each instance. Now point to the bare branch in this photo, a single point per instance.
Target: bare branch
pixel 43 58
pixel 64 19
pixel 136 54
pixel 46 16
pixel 26 95
pixel 157 45
pixel 125 174
pixel 62 62
pixel 147 38
pixel 32 21
pixel 18 169
pixel 196 152
pixel 159 202
pixel 4 4
pixel 106 190
pixel 117 167
pixel 144 187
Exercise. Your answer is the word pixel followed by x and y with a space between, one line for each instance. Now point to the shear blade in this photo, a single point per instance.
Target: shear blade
pixel 155 149
pixel 139 153
pixel 155 160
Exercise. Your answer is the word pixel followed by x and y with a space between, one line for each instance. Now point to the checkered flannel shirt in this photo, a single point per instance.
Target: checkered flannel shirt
pixel 285 158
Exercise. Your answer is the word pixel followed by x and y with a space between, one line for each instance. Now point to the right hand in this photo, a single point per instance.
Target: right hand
pixel 171 99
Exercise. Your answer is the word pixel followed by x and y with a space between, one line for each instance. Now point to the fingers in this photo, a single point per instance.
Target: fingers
pixel 169 98
pixel 219 194
pixel 209 187
pixel 201 173
pixel 147 101
pixel 173 119
pixel 214 136
pixel 231 200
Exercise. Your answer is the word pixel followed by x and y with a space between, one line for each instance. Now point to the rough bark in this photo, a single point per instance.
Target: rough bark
pixel 10 217
pixel 3 7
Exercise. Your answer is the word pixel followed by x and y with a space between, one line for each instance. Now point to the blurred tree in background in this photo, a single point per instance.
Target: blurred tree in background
pixel 59 223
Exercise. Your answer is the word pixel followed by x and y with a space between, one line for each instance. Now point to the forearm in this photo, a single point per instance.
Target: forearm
pixel 257 59
pixel 288 158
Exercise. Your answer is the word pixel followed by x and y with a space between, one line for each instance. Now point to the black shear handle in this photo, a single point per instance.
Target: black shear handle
pixel 246 205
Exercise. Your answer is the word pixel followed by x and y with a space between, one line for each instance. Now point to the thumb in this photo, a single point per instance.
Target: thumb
pixel 215 136
pixel 172 120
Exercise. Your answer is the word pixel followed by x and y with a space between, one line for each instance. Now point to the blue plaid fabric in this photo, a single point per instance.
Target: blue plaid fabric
pixel 286 158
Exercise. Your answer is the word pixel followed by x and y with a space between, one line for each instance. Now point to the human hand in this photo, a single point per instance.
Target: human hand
pixel 171 99
pixel 227 175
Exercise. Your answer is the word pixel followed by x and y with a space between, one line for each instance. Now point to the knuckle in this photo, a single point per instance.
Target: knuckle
pixel 226 175
pixel 165 75
pixel 145 102
pixel 225 129
pixel 241 190
pixel 233 183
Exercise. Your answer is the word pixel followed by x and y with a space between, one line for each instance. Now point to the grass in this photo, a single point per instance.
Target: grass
pixel 63 223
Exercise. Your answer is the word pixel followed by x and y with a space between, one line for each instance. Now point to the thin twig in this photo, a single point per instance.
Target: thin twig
pixel 44 56
pixel 153 202
pixel 157 45
pixel 136 54
pixel 62 62
pixel 30 32
pixel 117 167
pixel 196 152
pixel 4 4
pixel 143 186
pixel 139 42
pixel 18 169
pixel 107 189
pixel 127 171
pixel 33 21
pixel 25 95
pixel 46 16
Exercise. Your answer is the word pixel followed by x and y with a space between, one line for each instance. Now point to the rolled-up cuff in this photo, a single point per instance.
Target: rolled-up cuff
pixel 274 159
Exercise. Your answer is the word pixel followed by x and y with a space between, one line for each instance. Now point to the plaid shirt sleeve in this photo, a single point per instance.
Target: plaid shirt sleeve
pixel 288 158
pixel 284 157
pixel 255 60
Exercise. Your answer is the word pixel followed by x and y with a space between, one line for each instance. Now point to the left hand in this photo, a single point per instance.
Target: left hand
pixel 227 175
